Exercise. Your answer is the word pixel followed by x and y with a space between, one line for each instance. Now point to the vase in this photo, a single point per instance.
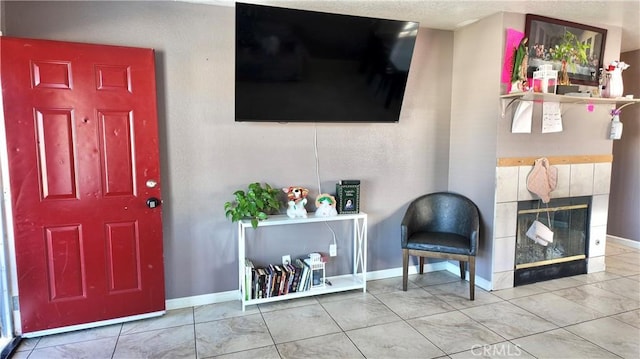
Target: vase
pixel 613 86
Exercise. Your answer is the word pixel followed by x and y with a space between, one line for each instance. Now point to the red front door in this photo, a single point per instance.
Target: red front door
pixel 82 143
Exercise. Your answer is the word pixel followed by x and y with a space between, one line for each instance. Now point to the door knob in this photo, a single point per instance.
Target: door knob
pixel 153 202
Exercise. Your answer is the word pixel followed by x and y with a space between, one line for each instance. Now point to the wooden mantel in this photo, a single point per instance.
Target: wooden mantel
pixel 554 160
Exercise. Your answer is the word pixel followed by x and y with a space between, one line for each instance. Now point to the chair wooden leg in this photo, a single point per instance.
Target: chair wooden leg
pixel 472 277
pixel 405 269
pixel 421 269
pixel 462 273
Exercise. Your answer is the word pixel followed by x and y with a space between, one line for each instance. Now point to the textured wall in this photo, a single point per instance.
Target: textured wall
pixel 624 201
pixel 2 15
pixel 476 83
pixel 479 133
pixel 206 156
pixel 584 132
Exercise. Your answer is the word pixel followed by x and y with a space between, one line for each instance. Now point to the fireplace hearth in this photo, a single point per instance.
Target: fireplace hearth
pixel 567 255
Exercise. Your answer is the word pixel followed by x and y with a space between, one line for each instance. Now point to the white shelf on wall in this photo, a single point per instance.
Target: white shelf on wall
pixel 507 100
pixel 355 280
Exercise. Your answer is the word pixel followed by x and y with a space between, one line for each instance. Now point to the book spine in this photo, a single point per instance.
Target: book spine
pixel 254 283
pixel 267 289
pixel 292 273
pixel 296 278
pixel 287 279
pixel 248 278
pixel 283 280
pixel 276 281
pixel 307 275
pixel 261 282
pixel 303 275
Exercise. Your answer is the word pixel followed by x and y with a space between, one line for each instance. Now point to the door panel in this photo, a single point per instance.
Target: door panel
pixel 117 141
pixel 51 74
pixel 123 257
pixel 66 263
pixel 82 141
pixel 56 153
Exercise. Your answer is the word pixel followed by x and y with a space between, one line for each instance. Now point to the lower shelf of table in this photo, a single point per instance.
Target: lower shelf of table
pixel 338 284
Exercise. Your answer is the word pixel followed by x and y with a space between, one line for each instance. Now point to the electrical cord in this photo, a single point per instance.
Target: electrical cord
pixel 315 149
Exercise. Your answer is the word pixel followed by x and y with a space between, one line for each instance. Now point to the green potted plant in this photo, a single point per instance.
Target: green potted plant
pixel 569 52
pixel 256 203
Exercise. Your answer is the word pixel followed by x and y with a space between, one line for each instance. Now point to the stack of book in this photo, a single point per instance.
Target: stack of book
pixel 277 279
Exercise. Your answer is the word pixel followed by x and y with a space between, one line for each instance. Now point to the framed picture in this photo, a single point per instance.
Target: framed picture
pixel 552 41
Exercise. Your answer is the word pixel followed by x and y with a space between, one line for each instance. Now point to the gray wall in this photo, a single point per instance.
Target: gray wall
pixel 2 15
pixel 449 135
pixel 206 156
pixel 624 200
pixel 476 84
pixel 583 132
pixel 479 133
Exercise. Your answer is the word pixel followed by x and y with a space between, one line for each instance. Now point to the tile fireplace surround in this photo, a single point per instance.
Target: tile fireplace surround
pixel 574 180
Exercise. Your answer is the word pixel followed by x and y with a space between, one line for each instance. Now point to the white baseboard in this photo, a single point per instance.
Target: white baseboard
pixel 397 272
pixel 623 241
pixel 204 299
pixel 480 282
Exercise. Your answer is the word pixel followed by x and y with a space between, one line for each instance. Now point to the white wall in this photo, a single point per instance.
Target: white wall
pixel 206 156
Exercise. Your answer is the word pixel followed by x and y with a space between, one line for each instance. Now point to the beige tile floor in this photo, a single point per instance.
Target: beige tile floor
pixel 593 315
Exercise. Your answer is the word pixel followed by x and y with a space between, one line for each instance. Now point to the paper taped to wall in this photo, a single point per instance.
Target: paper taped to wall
pixel 522 117
pixel 551 117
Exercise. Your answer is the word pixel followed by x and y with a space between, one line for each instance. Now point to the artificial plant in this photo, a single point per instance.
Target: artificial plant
pixel 256 203
pixel 570 51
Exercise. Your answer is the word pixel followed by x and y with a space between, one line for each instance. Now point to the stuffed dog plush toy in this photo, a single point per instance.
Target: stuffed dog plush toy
pixel 296 199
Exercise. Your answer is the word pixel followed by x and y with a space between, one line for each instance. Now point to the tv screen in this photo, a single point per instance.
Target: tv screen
pixel 306 66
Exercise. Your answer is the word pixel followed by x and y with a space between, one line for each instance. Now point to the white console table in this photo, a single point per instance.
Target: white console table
pixel 356 280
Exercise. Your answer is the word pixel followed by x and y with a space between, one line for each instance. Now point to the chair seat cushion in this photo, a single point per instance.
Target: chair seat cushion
pixel 440 242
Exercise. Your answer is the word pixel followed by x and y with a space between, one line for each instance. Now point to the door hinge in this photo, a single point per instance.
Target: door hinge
pixel 15 302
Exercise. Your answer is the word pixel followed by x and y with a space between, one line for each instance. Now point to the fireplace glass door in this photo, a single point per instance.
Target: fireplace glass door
pixel 568 218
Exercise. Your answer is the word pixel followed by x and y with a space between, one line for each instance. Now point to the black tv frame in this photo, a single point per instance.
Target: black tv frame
pixel 306 66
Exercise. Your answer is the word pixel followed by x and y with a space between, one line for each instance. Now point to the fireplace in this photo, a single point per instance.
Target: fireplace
pixel 567 255
pixel 576 178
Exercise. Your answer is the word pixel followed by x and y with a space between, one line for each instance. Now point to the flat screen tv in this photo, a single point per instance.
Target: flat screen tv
pixel 306 66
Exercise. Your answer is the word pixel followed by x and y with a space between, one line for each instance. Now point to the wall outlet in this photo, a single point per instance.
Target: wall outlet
pixel 286 259
pixel 333 250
